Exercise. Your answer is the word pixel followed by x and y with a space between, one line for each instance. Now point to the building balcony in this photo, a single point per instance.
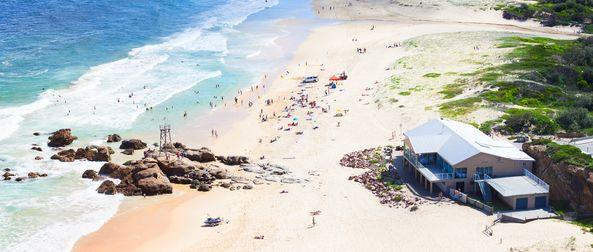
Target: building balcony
pixel 432 173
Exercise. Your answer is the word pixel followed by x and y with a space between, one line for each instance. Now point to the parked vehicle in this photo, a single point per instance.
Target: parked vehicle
pixel 310 79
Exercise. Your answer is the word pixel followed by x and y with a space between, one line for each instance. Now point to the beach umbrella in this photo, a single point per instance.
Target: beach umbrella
pixel 335 78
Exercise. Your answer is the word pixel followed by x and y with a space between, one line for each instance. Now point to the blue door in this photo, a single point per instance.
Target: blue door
pixel 521 204
pixel 540 201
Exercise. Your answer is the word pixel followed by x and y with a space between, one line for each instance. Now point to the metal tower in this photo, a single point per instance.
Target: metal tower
pixel 165 135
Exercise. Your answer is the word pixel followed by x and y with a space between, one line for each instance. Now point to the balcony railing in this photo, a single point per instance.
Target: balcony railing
pixel 444 176
pixel 536 179
pixel 413 159
pixel 481 177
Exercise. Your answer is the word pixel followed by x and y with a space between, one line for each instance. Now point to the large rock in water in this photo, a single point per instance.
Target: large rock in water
pixel 568 183
pixel 61 138
pixel 90 174
pixel 65 156
pixel 202 155
pixel 113 138
pixel 135 144
pixel 114 170
pixel 107 187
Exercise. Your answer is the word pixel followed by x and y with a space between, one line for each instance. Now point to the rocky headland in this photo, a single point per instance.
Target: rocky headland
pixel 200 169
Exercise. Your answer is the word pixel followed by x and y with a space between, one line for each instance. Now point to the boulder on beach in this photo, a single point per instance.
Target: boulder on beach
pixel 180 180
pixel 218 173
pixel 135 144
pixel 203 187
pixel 36 133
pixel 107 187
pixel 38 158
pixel 200 175
pixel 61 138
pixel 68 155
pixel 36 148
pixel 90 174
pixel 114 138
pixel 233 160
pixel 202 155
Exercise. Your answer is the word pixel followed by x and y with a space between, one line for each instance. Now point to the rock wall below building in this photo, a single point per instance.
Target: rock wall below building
pixel 568 183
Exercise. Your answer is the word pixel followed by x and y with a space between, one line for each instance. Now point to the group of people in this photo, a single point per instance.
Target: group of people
pixel 361 50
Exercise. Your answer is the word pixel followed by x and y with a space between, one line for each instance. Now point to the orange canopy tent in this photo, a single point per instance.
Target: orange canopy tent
pixel 335 78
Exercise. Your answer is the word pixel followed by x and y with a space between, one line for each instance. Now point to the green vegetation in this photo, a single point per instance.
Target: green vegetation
pixel 553 12
pixel 460 107
pixel 405 93
pixel 566 153
pixel 536 121
pixel 451 90
pixel 550 80
pixel 431 75
pixel 486 126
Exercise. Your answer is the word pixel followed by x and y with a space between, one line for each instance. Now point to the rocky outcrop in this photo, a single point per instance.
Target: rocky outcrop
pixel 180 180
pixel 90 153
pixel 65 156
pixel 36 148
pixel 114 138
pixel 61 138
pixel 568 183
pixel 107 187
pixel 174 166
pixel 202 155
pixel 114 170
pixel 135 144
pixel 95 153
pixel 233 160
pixel 145 178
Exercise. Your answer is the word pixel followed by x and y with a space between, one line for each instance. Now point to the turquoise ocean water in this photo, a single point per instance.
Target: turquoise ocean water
pixel 65 64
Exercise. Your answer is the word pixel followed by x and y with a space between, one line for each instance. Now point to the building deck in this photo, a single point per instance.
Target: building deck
pixel 516 186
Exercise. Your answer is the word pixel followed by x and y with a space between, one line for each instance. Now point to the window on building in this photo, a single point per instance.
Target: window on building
pixel 481 171
pixel 460 172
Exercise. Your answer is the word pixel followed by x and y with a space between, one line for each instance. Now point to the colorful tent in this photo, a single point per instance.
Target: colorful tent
pixel 335 78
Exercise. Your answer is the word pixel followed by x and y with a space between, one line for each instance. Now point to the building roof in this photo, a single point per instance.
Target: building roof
pixel 516 186
pixel 456 142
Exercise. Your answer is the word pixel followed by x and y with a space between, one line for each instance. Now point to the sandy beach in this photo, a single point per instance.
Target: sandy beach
pixel 351 218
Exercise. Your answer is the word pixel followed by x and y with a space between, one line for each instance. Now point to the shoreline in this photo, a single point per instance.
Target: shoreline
pixel 284 221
